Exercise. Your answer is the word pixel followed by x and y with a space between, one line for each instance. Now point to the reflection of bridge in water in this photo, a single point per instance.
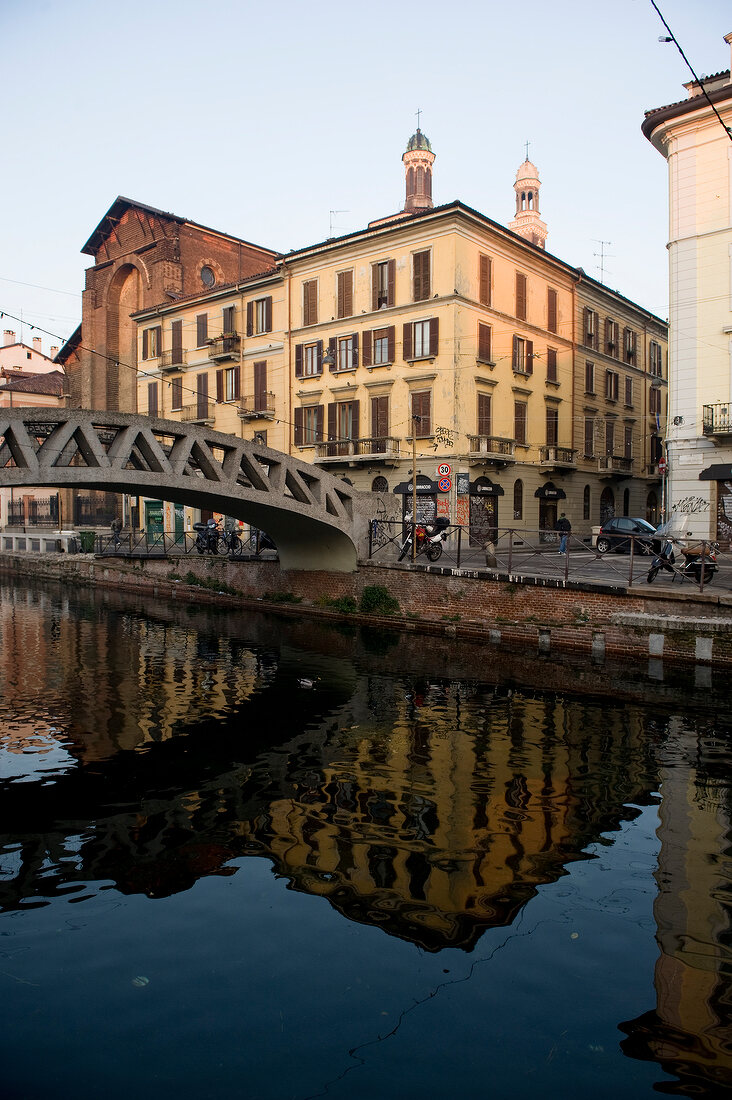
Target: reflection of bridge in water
pixel 315 518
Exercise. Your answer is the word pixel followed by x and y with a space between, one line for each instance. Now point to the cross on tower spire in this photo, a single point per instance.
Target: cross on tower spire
pixel 527 150
pixel 418 113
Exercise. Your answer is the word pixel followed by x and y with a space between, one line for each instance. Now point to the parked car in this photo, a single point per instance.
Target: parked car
pixel 616 534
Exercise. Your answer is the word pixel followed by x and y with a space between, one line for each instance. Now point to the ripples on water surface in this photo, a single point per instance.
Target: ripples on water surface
pixel 440 871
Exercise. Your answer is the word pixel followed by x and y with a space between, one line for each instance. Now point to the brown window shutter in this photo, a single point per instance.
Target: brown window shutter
pixel 260 382
pixel 152 399
pixel 332 426
pixel 333 353
pixel 391 334
pixel 551 364
pixel 298 360
pixel 374 286
pixel 484 414
pixel 407 340
pixel 201 329
pixel 319 354
pixel 355 349
pixel 319 422
pixel 237 383
pixel 228 322
pixel 144 343
pixel 176 333
pixel 421 273
pixel 551 309
pixel 366 349
pixel 176 393
pixel 484 342
pixel 529 362
pixel 340 295
pixel 268 313
pixel 250 318
pixel 298 414
pixel 391 281
pixel 219 386
pixel 356 419
pixel 521 295
pixel 159 332
pixel 345 293
pixel 484 291
pixel 434 335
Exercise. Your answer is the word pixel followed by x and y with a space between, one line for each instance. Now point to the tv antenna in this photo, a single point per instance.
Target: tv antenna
pixel 332 212
pixel 602 254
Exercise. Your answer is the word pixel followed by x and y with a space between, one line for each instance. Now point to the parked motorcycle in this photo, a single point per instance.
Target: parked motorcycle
pixel 210 537
pixel 430 537
pixel 695 558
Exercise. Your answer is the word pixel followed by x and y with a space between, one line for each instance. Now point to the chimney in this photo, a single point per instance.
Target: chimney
pixel 8 337
pixel 54 351
pixel 37 341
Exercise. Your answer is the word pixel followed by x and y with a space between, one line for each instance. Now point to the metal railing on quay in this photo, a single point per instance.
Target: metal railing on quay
pixel 163 544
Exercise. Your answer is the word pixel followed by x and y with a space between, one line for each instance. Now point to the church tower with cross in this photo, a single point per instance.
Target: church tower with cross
pixel 528 223
pixel 418 159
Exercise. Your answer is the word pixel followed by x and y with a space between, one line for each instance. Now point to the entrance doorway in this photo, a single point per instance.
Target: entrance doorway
pixel 607 504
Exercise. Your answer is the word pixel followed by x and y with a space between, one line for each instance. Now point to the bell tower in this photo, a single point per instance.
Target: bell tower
pixel 418 159
pixel 528 223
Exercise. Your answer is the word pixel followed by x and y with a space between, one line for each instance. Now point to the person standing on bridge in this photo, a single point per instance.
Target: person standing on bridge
pixel 565 529
pixel 116 528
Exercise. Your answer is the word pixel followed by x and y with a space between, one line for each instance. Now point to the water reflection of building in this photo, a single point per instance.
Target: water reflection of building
pixel 689 1033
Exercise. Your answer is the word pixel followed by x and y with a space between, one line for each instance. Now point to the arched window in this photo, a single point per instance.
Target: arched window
pixel 626 502
pixel 523 200
pixel 531 200
pixel 410 181
pixel 586 503
pixel 420 181
pixel 380 485
pixel 518 499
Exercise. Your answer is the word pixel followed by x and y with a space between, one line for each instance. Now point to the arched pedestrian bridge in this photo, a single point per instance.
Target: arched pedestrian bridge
pixel 315 518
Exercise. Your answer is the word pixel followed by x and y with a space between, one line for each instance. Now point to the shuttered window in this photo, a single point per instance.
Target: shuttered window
pixel 611 385
pixel 176 334
pixel 259 316
pixel 484 343
pixel 383 275
pixel 152 342
pixel 345 294
pixel 260 385
pixel 228 320
pixel 552 426
pixel 520 296
pixel 422 414
pixel 202 397
pixel 612 338
pixel 589 437
pixel 201 329
pixel 484 279
pixel 379 420
pixel 629 392
pixel 551 364
pixel 152 399
pixel 629 344
pixel 591 327
pixel 310 302
pixel 176 394
pixel 227 384
pixel 421 276
pixel 589 377
pixel 628 442
pixel 484 414
pixel 551 309
pixel 520 410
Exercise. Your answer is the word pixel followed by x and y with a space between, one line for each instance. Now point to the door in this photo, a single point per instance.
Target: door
pixel 202 397
pixel 547 521
pixel 483 519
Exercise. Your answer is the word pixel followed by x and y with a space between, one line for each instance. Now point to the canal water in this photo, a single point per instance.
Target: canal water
pixel 260 857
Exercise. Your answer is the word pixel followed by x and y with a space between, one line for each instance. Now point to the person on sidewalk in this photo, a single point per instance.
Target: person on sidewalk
pixel 116 528
pixel 565 529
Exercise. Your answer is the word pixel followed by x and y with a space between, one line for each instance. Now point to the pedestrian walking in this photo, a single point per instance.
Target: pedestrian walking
pixel 565 529
pixel 116 528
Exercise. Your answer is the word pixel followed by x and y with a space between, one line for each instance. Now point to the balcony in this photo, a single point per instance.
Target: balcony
pixel 173 360
pixel 203 412
pixel 224 347
pixel 553 457
pixel 614 466
pixel 257 406
pixel 490 449
pixel 717 420
pixel 382 449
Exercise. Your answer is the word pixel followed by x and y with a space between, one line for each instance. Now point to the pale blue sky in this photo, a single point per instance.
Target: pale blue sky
pixel 260 119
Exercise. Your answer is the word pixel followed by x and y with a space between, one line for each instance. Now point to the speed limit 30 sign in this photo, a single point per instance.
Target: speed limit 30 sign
pixel 444 469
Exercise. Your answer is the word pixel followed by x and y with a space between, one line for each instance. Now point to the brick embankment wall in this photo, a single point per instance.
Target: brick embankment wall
pixel 541 616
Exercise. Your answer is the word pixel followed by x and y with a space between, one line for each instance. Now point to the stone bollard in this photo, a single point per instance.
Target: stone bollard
pixel 490 555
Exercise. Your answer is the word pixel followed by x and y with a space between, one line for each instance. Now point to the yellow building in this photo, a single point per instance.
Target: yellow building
pixel 434 337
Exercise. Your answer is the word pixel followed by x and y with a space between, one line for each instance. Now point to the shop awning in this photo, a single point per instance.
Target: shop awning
pixel 484 487
pixel 550 492
pixel 721 472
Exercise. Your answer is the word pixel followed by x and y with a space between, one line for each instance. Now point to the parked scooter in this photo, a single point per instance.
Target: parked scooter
pixel 430 537
pixel 695 558
pixel 209 536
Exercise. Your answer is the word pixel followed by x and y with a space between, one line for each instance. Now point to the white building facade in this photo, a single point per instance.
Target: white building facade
pixel 695 137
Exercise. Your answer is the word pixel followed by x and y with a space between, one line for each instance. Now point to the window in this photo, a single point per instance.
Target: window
pixel 611 385
pixel 344 350
pixel 520 296
pixel 343 420
pixel 551 309
pixel 484 343
pixel 310 302
pixel 421 339
pixel 228 320
pixel 208 276
pixel 202 396
pixel 309 420
pixel 589 437
pixel 176 394
pixel 629 392
pixel 518 499
pixel 227 384
pixel 520 416
pixel 379 423
pixel 344 304
pixel 612 338
pixel 628 442
pixel 552 426
pixel 309 359
pixel 152 399
pixel 609 437
pixel 523 355
pixel 176 335
pixel 551 364
pixel 259 316
pixel 382 284
pixel 421 276
pixel 152 342
pixel 484 414
pixel 586 503
pixel 422 414
pixel 260 385
pixel 629 345
pixel 201 330
pixel 379 485
pixel 656 448
pixel 589 377
pixel 655 358
pixel 485 280
pixel 591 329
pixel 379 346
pixel 654 400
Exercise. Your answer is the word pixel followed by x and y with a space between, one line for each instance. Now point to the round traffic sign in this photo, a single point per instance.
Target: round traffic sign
pixel 661 465
pixel 444 485
pixel 444 469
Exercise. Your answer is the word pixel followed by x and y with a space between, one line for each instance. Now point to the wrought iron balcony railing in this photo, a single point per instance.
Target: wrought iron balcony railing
pixel 224 347
pixel 200 413
pixel 552 455
pixel 370 448
pixel 717 419
pixel 174 359
pixel 257 405
pixel 491 447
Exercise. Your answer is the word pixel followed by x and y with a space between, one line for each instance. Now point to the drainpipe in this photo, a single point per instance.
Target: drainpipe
pixel 287 283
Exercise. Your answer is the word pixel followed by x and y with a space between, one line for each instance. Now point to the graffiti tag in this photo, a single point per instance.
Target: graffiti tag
pixel 691 504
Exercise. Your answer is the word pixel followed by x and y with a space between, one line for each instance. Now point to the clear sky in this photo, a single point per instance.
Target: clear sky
pixel 284 123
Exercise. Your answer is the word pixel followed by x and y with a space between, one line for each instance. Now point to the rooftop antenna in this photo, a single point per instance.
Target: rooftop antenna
pixel 332 212
pixel 601 254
